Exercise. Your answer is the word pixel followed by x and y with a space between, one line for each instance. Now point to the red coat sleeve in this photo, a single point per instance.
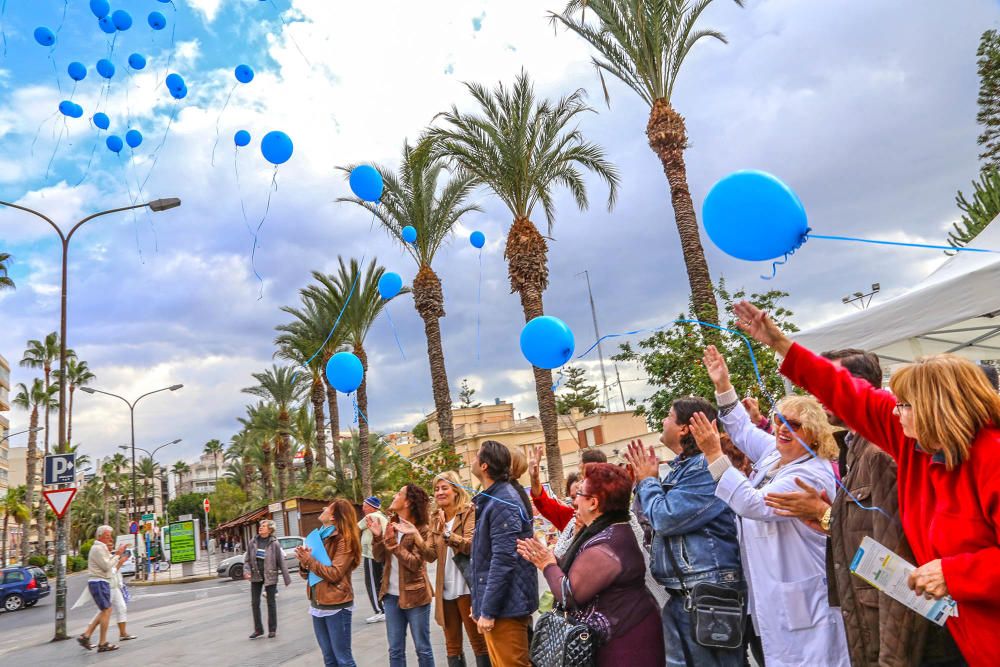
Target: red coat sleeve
pixel 553 510
pixel 975 575
pixel 865 409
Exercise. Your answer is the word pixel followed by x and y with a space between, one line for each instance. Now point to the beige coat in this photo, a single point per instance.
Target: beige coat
pixel 436 549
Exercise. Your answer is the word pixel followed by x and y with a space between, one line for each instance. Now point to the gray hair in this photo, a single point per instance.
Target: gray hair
pixel 270 526
pixel 101 530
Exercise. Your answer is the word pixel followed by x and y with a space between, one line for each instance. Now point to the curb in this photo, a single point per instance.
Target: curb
pixel 167 582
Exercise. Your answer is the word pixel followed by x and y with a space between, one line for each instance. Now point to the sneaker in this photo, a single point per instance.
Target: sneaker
pixel 377 618
pixel 256 634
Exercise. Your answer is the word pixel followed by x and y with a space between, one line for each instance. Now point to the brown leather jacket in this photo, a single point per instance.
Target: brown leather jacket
pixel 335 588
pixel 880 631
pixel 414 588
pixel 436 549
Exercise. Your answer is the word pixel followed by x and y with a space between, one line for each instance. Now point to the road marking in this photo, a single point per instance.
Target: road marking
pixel 201 593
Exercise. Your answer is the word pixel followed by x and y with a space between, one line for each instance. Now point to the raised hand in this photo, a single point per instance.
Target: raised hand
pixel 373 525
pixel 761 328
pixel 717 369
pixel 706 435
pixel 753 409
pixel 404 527
pixel 642 461
pixel 534 470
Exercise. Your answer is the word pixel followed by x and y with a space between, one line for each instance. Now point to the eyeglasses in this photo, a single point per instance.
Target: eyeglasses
pixel 582 494
pixel 900 407
pixel 793 424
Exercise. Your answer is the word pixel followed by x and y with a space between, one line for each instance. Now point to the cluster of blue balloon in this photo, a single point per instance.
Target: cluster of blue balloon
pixel 345 372
pixel 176 86
pixel 547 342
pixel 120 20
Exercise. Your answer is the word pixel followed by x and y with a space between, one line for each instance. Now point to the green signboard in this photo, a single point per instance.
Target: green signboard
pixel 182 542
pixel 148 517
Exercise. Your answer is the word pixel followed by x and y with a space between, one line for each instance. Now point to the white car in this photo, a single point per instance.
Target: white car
pixel 233 566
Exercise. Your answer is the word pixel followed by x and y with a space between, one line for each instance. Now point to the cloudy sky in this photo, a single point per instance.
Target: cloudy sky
pixel 866 109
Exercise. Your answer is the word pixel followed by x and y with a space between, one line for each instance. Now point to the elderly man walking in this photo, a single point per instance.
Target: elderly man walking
pixel 101 565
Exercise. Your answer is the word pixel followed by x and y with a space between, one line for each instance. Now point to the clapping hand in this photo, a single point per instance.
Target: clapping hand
pixel 303 553
pixel 761 328
pixel 373 525
pixel 753 409
pixel 642 461
pixel 808 505
pixel 706 435
pixel 535 553
pixel 390 535
pixel 718 371
pixel 404 527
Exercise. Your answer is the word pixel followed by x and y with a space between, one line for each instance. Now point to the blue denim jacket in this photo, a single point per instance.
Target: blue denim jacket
pixel 687 518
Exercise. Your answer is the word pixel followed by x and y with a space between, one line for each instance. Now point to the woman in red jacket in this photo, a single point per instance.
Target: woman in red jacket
pixel 940 425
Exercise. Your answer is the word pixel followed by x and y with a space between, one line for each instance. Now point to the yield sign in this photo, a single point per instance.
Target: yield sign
pixel 59 499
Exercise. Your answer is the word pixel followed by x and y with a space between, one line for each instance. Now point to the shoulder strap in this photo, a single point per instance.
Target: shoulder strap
pixel 673 562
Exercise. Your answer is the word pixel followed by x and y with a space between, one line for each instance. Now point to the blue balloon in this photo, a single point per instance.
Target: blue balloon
pixel 276 147
pixel 137 61
pixel 345 372
pixel 409 234
pixel 242 138
pixel 389 285
pixel 77 71
pixel 44 36
pixel 107 25
pixel 66 108
pixel 752 215
pixel 122 19
pixel 77 111
pixel 133 138
pixel 101 120
pixel 477 239
pixel 101 8
pixel 105 68
pixel 244 73
pixel 547 342
pixel 179 94
pixel 114 144
pixel 175 81
pixel 366 183
pixel 157 21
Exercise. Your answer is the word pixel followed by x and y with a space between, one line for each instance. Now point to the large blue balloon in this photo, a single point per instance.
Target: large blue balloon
pixel 105 68
pixel 179 94
pixel 114 143
pixel 77 71
pixel 752 215
pixel 157 21
pixel 366 183
pixel 345 372
pixel 122 19
pixel 276 147
pixel 547 342
pixel 71 109
pixel 137 61
pixel 44 36
pixel 174 81
pixel 107 25
pixel 133 138
pixel 244 73
pixel 101 8
pixel 241 138
pixel 389 285
pixel 101 120
pixel 477 239
pixel 409 234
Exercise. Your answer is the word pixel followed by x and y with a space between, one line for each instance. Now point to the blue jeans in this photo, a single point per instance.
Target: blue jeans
pixel 682 649
pixel 396 620
pixel 334 636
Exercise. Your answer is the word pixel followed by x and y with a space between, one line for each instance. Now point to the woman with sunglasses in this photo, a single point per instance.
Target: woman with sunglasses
pixel 784 560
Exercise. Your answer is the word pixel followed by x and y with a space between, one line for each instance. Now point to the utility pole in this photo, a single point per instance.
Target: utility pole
pixel 597 334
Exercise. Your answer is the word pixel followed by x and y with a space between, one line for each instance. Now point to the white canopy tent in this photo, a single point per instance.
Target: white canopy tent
pixel 955 309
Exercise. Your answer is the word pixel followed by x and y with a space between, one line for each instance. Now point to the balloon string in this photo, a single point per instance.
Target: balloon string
pixel 3 32
pixel 39 131
pixel 219 119
pixel 253 251
pixel 63 19
pixel 170 57
pixel 394 333
pixel 760 383
pixel 139 196
pixel 289 33
pixel 134 199
pixel 479 302
pixel 899 243
pixel 55 69
pixel 86 171
pixel 776 264
pixel 55 150
pixel 239 189
pixel 156 152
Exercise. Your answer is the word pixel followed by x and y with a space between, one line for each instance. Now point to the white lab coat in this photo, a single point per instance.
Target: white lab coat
pixel 783 559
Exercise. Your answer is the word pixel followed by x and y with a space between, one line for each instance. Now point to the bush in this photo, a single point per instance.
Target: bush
pixel 38 560
pixel 76 563
pixel 85 548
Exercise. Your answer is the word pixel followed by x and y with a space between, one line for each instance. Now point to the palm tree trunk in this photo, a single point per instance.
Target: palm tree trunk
pixel 331 401
pixel 527 268
pixel 31 479
pixel 265 469
pixel 667 136
pixel 69 418
pixel 428 299
pixel 40 508
pixel 363 445
pixel 317 402
pixel 247 475
pixel 279 460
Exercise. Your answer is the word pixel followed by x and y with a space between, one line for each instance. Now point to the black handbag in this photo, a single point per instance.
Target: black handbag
pixel 560 640
pixel 462 562
pixel 717 612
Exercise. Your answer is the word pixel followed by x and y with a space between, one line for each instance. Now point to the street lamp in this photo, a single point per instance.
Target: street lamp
pixel 152 454
pixel 131 410
pixel 36 429
pixel 156 205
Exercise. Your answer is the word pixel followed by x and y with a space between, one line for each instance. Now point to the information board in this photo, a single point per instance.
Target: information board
pixel 182 542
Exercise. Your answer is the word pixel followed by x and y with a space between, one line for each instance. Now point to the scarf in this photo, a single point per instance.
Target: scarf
pixel 595 527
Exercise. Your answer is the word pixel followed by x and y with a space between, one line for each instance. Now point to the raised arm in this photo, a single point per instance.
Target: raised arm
pixel 751 440
pixel 553 510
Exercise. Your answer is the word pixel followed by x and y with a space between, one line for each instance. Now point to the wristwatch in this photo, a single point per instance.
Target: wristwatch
pixel 824 523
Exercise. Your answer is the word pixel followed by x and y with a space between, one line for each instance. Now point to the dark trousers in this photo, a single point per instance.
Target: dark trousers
pixel 373 583
pixel 751 642
pixel 272 606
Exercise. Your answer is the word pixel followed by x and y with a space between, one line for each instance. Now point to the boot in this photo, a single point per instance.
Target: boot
pixel 483 660
pixel 456 660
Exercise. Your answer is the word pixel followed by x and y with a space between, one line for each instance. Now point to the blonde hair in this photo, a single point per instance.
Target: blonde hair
pixel 518 462
pixel 951 401
pixel 462 499
pixel 815 424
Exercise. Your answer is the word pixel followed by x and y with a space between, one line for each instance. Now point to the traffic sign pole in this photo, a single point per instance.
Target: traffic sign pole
pixel 206 506
pixel 60 468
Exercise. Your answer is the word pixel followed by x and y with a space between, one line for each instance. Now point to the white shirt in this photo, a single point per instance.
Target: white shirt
pixel 394 575
pixel 454 583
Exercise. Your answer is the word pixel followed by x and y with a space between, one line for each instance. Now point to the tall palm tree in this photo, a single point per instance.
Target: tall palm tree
pixel 521 148
pixel 238 454
pixel 78 374
pixel 5 281
pixel 119 462
pixel 264 430
pixel 304 427
pixel 147 471
pixel 31 399
pixel 282 387
pixel 13 507
pixel 109 486
pixel 413 198
pixel 643 43
pixel 360 313
pixel 215 448
pixel 180 468
pixel 42 354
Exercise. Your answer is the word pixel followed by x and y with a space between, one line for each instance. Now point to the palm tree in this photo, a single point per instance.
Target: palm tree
pixel 264 431
pixel 360 313
pixel 240 457
pixel 643 43
pixel 304 427
pixel 38 395
pixel 283 388
pixel 215 448
pixel 521 148
pixel 119 462
pixel 5 281
pixel 180 468
pixel 412 198
pixel 147 472
pixel 13 507
pixel 42 354
pixel 109 486
pixel 347 483
pixel 78 375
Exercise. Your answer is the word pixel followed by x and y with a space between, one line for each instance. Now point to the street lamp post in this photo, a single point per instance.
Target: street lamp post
pixel 131 410
pixel 27 430
pixel 156 205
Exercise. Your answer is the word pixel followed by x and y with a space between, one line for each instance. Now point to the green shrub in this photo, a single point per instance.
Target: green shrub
pixel 85 547
pixel 38 560
pixel 76 563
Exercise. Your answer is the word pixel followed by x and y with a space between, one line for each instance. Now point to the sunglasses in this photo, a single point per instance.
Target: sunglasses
pixel 779 420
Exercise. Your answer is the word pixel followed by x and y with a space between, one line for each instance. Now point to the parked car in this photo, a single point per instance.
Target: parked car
pixel 22 587
pixel 233 566
pixel 128 567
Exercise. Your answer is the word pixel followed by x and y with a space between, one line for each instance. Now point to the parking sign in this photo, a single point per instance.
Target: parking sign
pixel 60 469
